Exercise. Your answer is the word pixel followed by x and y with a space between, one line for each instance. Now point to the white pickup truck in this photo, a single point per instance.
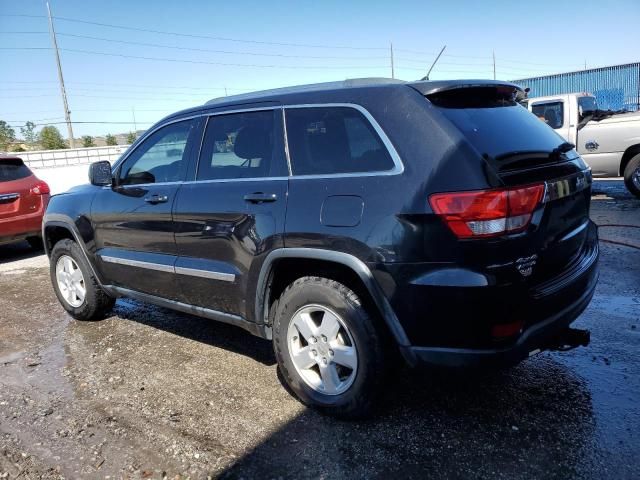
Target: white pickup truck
pixel 609 142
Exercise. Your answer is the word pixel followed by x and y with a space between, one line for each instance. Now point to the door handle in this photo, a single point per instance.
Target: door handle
pixel 259 197
pixel 155 199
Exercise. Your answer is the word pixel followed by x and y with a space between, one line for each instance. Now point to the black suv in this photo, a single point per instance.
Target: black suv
pixel 347 222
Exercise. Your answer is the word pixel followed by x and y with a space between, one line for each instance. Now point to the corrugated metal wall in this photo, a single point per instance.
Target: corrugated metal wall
pixel 616 87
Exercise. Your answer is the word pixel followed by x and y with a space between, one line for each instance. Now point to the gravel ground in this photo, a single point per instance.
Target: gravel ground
pixel 149 393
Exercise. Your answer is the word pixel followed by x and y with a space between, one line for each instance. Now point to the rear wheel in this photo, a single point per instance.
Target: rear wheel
pixel 328 347
pixel 75 285
pixel 632 175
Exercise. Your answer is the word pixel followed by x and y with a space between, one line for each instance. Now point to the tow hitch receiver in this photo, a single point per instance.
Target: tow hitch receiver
pixel 569 339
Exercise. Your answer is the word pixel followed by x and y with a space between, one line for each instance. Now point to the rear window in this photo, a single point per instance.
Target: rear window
pixel 334 140
pixel 494 122
pixel 551 113
pixel 13 169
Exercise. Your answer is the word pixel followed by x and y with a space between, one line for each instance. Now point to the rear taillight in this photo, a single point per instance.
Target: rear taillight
pixel 487 213
pixel 41 188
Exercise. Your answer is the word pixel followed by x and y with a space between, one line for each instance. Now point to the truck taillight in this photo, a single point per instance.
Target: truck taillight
pixel 41 188
pixel 487 213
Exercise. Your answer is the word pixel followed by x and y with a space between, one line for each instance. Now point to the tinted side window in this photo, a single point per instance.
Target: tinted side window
pixel 159 158
pixel 552 113
pixel 329 140
pixel 239 145
pixel 11 170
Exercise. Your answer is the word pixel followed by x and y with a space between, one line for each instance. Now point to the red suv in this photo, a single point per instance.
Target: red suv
pixel 23 201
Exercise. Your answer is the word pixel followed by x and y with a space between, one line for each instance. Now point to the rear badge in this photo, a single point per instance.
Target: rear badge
pixel 525 264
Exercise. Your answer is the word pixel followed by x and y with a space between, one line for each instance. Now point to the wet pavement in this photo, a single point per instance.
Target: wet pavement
pixel 149 393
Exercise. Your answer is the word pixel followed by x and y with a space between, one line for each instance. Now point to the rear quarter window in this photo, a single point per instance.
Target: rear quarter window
pixel 334 140
pixel 11 170
pixel 551 113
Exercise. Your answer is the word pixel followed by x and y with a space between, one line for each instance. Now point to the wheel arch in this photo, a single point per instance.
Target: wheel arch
pixel 60 228
pixel 629 153
pixel 309 261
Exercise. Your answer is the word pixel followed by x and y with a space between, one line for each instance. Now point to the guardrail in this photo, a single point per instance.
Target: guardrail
pixel 71 156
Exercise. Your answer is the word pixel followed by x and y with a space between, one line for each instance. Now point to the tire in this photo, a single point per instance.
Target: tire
pixel 95 303
pixel 632 175
pixel 36 243
pixel 350 392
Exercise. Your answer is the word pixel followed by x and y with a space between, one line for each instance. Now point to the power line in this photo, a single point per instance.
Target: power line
pixel 209 50
pixel 130 85
pixel 92 123
pixel 223 64
pixel 226 39
pixel 260 42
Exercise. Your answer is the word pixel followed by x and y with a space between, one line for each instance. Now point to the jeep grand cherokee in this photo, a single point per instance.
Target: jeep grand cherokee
pixel 343 221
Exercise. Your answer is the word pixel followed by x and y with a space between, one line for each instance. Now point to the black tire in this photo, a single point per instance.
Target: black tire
pixel 358 399
pixel 36 243
pixel 632 169
pixel 97 303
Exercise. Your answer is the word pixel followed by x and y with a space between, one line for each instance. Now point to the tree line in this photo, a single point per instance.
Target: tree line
pixel 48 138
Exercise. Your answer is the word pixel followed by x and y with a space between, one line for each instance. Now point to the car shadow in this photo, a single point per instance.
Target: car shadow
pixel 532 421
pixel 231 338
pixel 13 252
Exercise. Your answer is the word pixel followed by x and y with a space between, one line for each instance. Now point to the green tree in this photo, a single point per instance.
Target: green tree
pixel 87 141
pixel 110 139
pixel 7 135
pixel 51 139
pixel 29 133
pixel 131 137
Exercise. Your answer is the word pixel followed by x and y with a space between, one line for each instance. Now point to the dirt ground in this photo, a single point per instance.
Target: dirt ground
pixel 149 393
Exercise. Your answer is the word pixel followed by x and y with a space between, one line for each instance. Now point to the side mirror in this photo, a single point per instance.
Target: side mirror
pixel 100 173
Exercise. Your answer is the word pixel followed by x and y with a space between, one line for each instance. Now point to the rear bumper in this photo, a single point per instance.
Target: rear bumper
pixel 451 320
pixel 539 336
pixel 18 228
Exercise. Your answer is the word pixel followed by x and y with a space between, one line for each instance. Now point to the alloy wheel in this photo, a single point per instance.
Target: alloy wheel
pixel 322 349
pixel 70 281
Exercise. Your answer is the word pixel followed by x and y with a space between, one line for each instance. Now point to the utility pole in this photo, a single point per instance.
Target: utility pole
pixel 225 91
pixel 135 126
pixel 392 72
pixel 494 64
pixel 426 77
pixel 67 113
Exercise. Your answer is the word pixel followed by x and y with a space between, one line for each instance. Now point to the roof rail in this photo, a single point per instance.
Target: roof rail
pixel 354 82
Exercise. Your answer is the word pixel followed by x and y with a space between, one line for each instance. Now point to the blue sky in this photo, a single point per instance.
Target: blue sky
pixel 272 44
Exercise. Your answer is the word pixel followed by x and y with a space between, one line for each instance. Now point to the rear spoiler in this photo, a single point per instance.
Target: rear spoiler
pixel 470 93
pixel 427 88
pixel 10 160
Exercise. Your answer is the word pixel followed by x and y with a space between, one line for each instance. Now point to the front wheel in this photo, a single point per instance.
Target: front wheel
pixel 75 285
pixel 329 349
pixel 632 175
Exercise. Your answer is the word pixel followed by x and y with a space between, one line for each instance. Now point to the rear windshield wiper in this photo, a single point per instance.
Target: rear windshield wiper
pixel 562 148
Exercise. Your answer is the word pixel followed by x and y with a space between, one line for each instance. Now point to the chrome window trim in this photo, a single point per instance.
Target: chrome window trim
pixel 395 157
pixel 398 165
pixel 193 272
pixel 196 272
pixel 226 180
pixel 138 263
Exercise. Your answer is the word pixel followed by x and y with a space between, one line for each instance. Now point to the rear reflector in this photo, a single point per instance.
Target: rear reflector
pixel 41 188
pixel 506 330
pixel 486 213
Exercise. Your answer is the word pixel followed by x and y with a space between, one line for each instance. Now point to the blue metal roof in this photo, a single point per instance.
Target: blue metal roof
pixel 616 87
